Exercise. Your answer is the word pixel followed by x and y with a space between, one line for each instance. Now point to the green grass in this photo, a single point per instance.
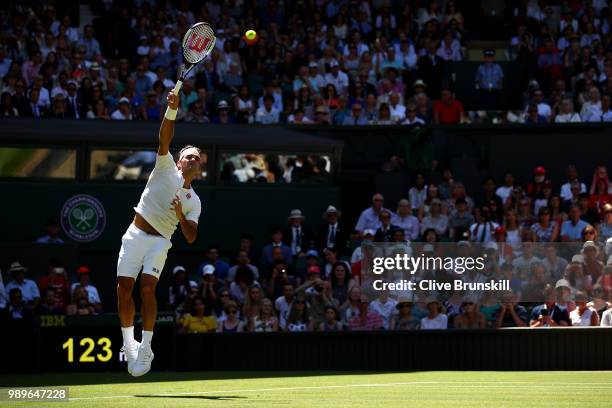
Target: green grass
pixel 309 389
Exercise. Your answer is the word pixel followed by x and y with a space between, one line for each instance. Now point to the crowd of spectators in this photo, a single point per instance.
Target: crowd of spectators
pixel 336 62
pixel 311 279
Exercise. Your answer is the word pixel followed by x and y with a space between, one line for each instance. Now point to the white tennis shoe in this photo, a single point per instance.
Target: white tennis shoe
pixel 131 354
pixel 143 361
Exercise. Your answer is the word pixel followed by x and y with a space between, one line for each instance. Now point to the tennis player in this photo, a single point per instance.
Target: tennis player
pixel 168 199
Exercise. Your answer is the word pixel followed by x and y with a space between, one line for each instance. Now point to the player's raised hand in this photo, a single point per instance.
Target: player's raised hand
pixel 173 100
pixel 177 207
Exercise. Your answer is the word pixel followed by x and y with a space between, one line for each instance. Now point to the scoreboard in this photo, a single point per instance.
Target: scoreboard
pixel 82 343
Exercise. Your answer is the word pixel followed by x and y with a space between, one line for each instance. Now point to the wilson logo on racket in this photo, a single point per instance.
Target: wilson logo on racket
pixel 197 43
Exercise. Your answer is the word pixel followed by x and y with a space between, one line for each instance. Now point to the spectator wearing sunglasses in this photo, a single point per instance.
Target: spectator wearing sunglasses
pixel 471 318
pixel 231 324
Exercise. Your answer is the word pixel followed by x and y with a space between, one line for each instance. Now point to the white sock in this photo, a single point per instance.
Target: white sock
pixel 128 335
pixel 147 337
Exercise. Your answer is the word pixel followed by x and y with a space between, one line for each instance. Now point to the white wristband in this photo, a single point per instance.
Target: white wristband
pixel 170 113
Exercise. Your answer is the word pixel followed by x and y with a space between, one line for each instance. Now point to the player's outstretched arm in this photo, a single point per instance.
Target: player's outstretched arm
pixel 166 131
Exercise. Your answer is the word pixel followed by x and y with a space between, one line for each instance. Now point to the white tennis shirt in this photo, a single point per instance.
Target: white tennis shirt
pixel 155 203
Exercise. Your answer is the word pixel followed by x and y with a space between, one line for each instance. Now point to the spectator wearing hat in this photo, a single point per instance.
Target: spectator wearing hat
pixel 83 276
pixel 337 78
pixel 435 220
pixel 448 110
pixel 315 79
pixel 535 188
pixel 404 219
pixel 318 294
pixel 53 230
pixel 366 319
pixel 592 265
pixel 404 319
pixel 180 286
pixel 435 319
pixel 369 218
pixel 489 80
pixel 583 315
pixel 571 230
pixel 296 235
pixel 223 116
pixel 357 255
pixel 559 312
pixel 123 111
pixel 28 289
pixel 332 233
pixel 56 278
pixel 510 313
pixel 276 249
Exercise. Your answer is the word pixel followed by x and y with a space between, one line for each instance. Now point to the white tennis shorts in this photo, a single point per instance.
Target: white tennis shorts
pixel 140 250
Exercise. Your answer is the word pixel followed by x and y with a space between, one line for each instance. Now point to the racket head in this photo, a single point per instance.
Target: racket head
pixel 198 42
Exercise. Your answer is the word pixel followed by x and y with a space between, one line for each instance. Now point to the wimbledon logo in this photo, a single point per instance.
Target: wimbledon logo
pixel 83 218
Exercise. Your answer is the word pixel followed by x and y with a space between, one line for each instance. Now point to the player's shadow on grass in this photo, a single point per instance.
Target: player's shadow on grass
pixel 204 397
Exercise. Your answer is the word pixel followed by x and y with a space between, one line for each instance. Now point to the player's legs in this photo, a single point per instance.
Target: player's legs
pixel 125 301
pixel 134 246
pixel 148 309
pixel 153 264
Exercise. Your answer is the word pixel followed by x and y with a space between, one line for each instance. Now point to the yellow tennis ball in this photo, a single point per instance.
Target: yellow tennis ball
pixel 250 35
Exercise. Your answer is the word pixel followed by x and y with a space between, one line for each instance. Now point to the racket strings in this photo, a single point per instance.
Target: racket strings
pixel 198 43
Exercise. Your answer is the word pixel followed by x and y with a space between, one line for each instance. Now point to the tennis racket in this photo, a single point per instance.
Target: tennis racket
pixel 198 43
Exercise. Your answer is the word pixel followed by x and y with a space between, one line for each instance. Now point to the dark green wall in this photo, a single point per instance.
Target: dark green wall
pixel 226 211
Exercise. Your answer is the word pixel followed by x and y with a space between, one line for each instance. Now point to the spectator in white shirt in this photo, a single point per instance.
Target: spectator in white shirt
pixel 543 107
pixel 591 109
pixel 411 116
pixel 337 78
pixel 408 55
pixel 434 320
pixel 450 49
pixel 267 115
pixel 418 192
pixel 572 177
pixel 398 111
pixel 484 228
pixel 405 220
pixel 567 114
pixel 123 110
pixel 316 80
pixel 503 192
pixel 383 306
pixel 369 218
pixel 29 289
